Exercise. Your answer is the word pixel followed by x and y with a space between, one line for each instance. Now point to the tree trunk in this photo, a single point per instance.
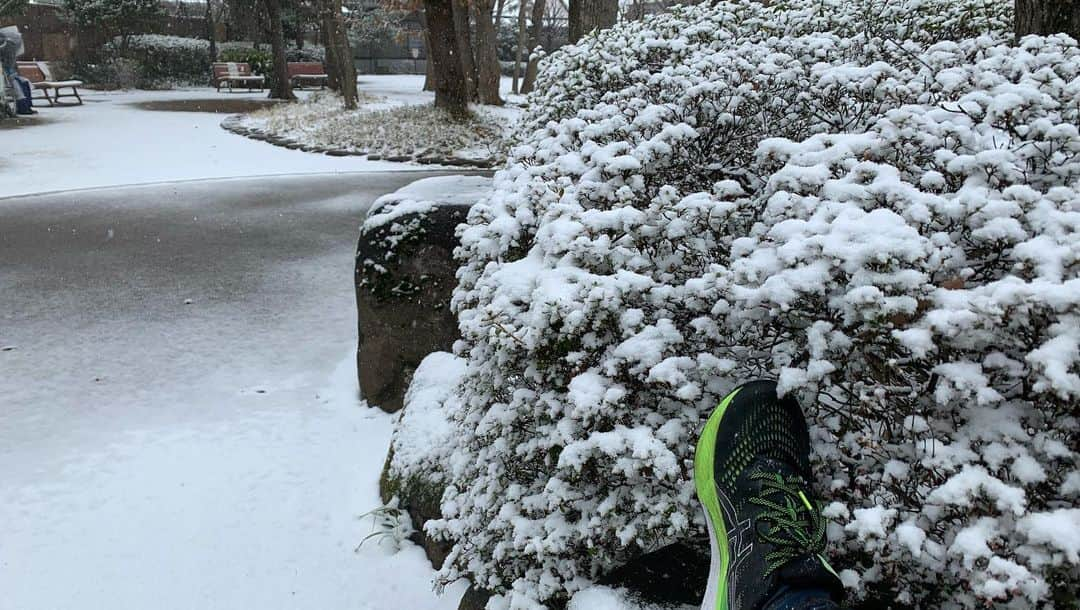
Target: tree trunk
pixel 498 16
pixel 326 24
pixel 429 69
pixel 1048 17
pixel 343 57
pixel 588 15
pixel 450 90
pixel 340 68
pixel 487 54
pixel 534 42
pixel 211 30
pixel 429 66
pixel 280 87
pixel 463 45
pixel 522 6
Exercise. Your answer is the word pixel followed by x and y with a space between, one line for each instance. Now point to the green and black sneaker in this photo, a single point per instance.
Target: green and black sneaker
pixel 752 473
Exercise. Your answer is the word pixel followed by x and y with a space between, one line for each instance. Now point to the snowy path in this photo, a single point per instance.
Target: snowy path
pixel 157 454
pixel 110 141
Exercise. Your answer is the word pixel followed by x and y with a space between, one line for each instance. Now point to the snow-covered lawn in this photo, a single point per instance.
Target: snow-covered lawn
pixel 110 141
pixel 391 122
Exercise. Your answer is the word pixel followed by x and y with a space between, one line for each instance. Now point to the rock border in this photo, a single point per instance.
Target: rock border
pixel 234 123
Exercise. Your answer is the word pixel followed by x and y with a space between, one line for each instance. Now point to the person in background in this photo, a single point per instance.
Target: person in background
pixel 11 46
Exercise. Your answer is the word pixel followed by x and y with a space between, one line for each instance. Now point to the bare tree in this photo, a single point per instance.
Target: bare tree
pixel 463 45
pixel 341 69
pixel 12 8
pixel 486 52
pixel 326 33
pixel 280 87
pixel 450 88
pixel 522 12
pixel 213 14
pixel 588 15
pixel 499 14
pixel 534 43
pixel 429 66
pixel 1048 17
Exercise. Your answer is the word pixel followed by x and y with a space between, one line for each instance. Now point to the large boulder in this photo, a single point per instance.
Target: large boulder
pixel 404 278
pixel 419 497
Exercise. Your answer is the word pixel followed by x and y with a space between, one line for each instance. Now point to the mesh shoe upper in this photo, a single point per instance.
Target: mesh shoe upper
pixel 760 472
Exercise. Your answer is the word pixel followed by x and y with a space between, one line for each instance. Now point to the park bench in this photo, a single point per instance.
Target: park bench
pixel 302 73
pixel 41 79
pixel 236 74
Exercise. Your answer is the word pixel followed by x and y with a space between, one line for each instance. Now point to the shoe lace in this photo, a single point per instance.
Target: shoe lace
pixel 797 525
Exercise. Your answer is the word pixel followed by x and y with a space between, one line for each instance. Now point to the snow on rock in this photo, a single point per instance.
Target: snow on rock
pixel 405 275
pixel 424 433
pixel 422 195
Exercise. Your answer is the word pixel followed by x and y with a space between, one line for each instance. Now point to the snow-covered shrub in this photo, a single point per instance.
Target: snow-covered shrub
pixel 115 73
pixel 888 227
pixel 260 60
pixel 919 285
pixel 608 64
pixel 233 45
pixel 165 60
pixel 309 53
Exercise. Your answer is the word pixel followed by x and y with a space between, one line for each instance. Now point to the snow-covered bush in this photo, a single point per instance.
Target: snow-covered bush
pixel 609 64
pixel 888 226
pixel 261 60
pixel 115 73
pixel 918 285
pixel 164 60
pixel 309 53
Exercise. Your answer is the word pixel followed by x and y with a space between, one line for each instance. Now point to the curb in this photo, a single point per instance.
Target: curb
pixel 234 123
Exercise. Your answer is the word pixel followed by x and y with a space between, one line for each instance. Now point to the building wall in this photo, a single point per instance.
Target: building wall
pixel 45 35
pixel 48 37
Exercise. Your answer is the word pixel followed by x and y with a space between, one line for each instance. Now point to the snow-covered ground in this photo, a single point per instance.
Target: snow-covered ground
pixel 179 421
pixel 110 141
pixel 393 124
pixel 180 425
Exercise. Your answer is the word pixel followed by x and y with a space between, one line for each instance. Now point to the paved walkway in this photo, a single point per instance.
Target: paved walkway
pixel 180 422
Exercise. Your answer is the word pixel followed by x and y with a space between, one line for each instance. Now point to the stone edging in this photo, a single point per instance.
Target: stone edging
pixel 234 123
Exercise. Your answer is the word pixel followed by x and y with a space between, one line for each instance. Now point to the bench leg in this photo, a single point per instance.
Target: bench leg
pixel 44 92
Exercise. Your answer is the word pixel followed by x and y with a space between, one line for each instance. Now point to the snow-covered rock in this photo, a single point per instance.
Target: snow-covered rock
pixel 404 279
